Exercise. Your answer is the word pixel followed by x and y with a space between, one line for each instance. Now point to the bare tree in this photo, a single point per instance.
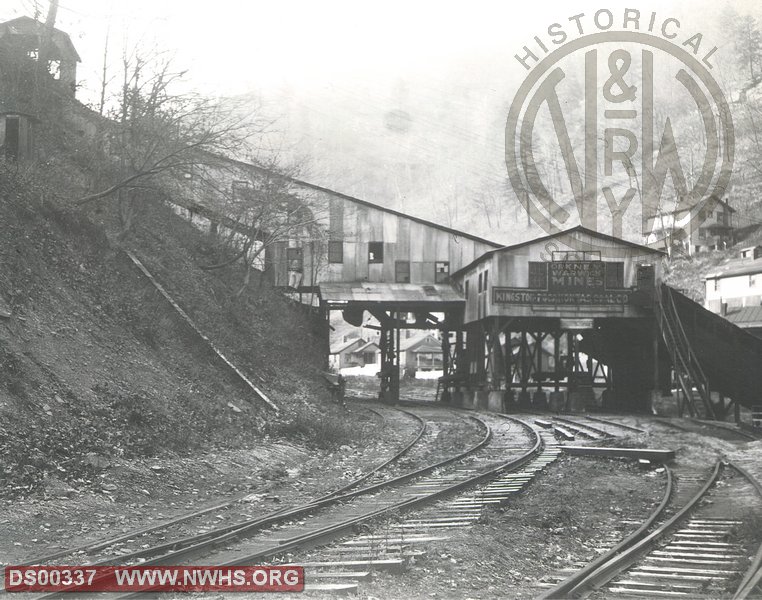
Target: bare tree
pixel 155 134
pixel 262 207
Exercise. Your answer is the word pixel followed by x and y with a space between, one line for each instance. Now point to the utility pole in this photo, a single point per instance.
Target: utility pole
pixel 43 50
pixel 46 41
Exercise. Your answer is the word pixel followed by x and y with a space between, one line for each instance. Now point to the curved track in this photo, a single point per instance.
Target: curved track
pixel 328 514
pixel 698 552
pixel 208 517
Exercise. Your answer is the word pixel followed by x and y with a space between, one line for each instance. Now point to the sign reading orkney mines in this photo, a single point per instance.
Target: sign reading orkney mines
pixel 611 101
pixel 567 282
pixel 576 276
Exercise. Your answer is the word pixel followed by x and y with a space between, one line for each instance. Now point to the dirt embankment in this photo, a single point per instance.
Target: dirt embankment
pixel 95 366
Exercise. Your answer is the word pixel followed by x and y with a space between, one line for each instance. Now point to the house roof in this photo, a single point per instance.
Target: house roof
pixel 578 228
pixel 686 209
pixel 427 345
pixel 747 267
pixel 416 340
pixel 399 293
pixel 365 347
pixel 29 26
pixel 343 347
pixel 748 316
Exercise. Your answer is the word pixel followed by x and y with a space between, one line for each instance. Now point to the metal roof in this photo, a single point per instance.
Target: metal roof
pixel 353 199
pixel 578 228
pixel 28 26
pixel 748 267
pixel 365 347
pixel 747 316
pixel 339 348
pixel 388 293
pixel 413 342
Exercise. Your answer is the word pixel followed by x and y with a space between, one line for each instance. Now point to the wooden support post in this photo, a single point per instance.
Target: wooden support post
pixel 557 358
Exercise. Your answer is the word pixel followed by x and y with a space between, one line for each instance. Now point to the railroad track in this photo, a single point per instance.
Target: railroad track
pixel 232 509
pixel 695 545
pixel 724 431
pixel 569 429
pixel 342 566
pixel 507 445
pixel 361 503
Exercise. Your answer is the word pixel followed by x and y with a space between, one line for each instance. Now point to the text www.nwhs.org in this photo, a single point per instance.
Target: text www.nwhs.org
pixel 161 579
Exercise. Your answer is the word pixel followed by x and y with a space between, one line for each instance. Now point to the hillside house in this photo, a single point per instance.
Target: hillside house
pixel 367 354
pixel 23 37
pixel 20 49
pixel 735 291
pixel 422 352
pixel 343 355
pixel 688 230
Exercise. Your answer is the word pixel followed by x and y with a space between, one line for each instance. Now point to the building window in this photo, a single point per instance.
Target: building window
pixel 752 281
pixel 614 275
pixel 486 277
pixel 335 252
pixel 402 271
pixel 538 275
pixel 369 357
pixel 466 289
pixel 375 252
pixel 12 137
pixel 441 272
pixel 479 287
pixel 239 187
pixel 295 259
pixel 716 285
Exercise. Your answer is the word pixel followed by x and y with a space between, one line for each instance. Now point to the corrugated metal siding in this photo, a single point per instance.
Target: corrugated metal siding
pixel 510 268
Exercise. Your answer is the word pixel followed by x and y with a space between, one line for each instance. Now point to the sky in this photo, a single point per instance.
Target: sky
pixel 334 71
pixel 233 46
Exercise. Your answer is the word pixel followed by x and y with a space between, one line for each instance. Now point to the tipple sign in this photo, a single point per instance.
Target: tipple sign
pixel 619 99
pixel 576 276
pixel 502 295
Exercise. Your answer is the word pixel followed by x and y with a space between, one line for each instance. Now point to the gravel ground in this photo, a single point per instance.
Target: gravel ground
pixel 139 493
pixel 567 516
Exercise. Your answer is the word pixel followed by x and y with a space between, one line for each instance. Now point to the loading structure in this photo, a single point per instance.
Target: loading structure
pixel 550 320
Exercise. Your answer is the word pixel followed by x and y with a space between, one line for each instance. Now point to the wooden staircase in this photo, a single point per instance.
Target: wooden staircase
pixel 690 377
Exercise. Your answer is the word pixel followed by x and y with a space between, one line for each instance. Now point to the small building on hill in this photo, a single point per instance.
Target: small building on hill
pixel 343 355
pixel 735 291
pixel 23 38
pixel 422 352
pixel 689 230
pixel 22 44
pixel 367 354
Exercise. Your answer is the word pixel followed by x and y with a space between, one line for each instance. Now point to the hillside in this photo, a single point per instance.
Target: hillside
pixel 687 273
pixel 96 365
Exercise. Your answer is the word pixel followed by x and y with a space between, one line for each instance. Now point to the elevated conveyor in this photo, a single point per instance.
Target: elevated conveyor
pixel 714 360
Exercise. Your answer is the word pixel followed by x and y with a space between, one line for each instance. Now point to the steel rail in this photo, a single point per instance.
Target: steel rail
pixel 383 465
pixel 331 531
pixel 615 424
pixel 753 575
pixel 725 427
pixel 100 545
pixel 229 533
pixel 581 427
pixel 619 561
pixel 224 535
pixel 180 548
pixel 563 589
